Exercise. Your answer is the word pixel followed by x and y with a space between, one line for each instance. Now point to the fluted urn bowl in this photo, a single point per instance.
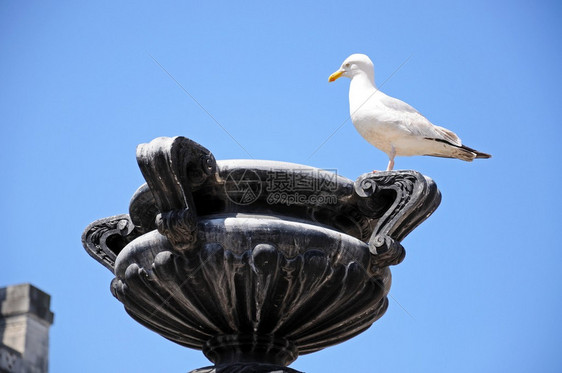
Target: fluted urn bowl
pixel 256 262
pixel 303 286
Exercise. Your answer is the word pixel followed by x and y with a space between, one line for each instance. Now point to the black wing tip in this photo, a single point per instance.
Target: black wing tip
pixel 479 155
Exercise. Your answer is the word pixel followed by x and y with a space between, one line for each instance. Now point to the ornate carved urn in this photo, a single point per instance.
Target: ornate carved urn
pixel 256 262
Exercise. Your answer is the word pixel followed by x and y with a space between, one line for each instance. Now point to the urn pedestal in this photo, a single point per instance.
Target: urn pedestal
pixel 256 262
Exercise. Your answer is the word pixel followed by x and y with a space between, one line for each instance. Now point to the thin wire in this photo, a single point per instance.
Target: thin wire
pixel 405 310
pixel 201 106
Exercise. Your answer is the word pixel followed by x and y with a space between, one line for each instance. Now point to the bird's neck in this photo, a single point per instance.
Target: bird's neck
pixel 361 88
pixel 363 80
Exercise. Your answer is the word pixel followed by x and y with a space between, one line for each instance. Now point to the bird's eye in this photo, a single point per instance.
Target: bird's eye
pixel 348 65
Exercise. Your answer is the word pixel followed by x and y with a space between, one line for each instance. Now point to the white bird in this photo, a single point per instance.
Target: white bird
pixel 392 125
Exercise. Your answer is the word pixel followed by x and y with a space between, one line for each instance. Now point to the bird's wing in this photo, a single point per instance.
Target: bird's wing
pixel 448 135
pixel 395 104
pixel 400 112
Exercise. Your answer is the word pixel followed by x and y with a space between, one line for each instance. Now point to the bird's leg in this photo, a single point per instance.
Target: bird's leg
pixel 390 164
pixel 391 158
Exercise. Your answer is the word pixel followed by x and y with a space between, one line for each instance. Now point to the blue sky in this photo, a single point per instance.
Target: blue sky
pixel 480 288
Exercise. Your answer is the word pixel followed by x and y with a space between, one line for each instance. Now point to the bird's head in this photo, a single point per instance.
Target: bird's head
pixel 352 66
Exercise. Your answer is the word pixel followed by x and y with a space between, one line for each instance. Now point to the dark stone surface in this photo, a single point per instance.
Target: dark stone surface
pixel 25 299
pixel 245 368
pixel 256 262
pixel 10 360
pixel 25 319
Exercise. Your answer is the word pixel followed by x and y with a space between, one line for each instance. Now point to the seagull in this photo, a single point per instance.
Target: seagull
pixel 392 125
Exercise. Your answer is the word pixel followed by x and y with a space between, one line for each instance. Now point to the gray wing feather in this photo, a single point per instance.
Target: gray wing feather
pixel 415 122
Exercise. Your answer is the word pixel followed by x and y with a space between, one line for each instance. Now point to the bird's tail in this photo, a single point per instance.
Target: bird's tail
pixel 461 152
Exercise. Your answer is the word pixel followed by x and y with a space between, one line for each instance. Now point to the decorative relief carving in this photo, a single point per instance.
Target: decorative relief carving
pixel 413 198
pixel 255 285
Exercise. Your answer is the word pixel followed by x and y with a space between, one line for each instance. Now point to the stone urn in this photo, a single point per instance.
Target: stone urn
pixel 256 262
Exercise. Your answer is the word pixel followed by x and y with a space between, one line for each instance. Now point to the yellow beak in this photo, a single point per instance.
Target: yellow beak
pixel 335 75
